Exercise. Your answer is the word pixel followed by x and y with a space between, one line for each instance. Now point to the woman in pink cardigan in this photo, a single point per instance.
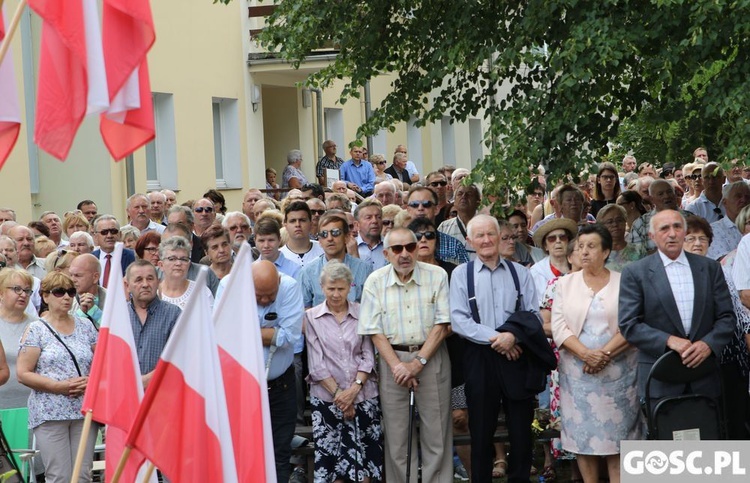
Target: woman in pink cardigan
pixel 598 401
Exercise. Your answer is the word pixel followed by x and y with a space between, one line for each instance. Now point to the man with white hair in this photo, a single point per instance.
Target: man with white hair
pixel 138 208
pixel 727 235
pixel 239 228
pixel 385 193
pixel 24 238
pixel 411 168
pixel 171 198
pixel 157 207
pixel 7 214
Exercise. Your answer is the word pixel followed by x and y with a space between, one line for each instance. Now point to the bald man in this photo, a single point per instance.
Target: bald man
pixel 89 301
pixel 280 312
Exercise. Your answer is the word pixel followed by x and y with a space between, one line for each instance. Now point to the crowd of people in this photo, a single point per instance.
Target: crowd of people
pixel 384 287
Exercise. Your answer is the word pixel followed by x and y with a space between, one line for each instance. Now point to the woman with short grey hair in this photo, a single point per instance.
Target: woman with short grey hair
pixel 343 386
pixel 129 236
pixel 175 288
pixel 292 177
pixel 81 242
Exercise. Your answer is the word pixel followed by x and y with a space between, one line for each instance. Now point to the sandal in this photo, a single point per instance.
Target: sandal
pixel 499 469
pixel 549 473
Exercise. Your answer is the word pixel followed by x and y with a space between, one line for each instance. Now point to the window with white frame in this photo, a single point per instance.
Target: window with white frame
pixel 476 138
pixel 161 153
pixel 449 141
pixel 334 130
pixel 226 121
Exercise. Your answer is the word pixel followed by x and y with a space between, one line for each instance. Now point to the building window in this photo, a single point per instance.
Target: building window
pixel 227 143
pixel 449 141
pixel 414 143
pixel 334 130
pixel 161 153
pixel 476 139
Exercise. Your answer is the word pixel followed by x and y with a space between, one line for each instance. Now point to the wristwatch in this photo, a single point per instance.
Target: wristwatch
pixel 421 360
pixel 358 382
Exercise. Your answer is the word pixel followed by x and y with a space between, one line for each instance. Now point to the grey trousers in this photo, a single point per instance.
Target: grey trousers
pixel 57 442
pixel 433 401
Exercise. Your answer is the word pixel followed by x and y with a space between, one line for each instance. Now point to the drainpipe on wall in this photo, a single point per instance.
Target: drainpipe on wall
pixel 319 112
pixel 368 113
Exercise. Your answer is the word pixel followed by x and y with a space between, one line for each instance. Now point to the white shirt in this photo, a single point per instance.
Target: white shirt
pixel 703 207
pixel 681 281
pixel 152 226
pixel 741 269
pixel 301 259
pixel 726 238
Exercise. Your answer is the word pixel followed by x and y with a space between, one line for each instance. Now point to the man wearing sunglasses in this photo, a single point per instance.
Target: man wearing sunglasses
pixel 107 234
pixel 204 213
pixel 422 203
pixel 467 202
pixel 405 312
pixel 438 183
pixel 708 205
pixel 138 208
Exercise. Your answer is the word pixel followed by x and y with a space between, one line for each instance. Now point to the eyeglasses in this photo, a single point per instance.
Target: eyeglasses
pixel 178 259
pixel 19 290
pixel 693 239
pixel 614 222
pixel 201 209
pixel 381 162
pixel 318 212
pixel 334 233
pixel 397 249
pixel 151 249
pixel 509 238
pixel 427 235
pixel 607 177
pixel 59 292
pixel 387 222
pixel 3 264
pixel 109 231
pixel 435 184
pixel 425 203
pixel 553 238
pixel 537 193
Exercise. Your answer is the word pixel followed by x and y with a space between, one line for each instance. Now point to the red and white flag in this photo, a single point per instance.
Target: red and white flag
pixel 71 81
pixel 182 426
pixel 241 354
pixel 128 36
pixel 10 110
pixel 115 389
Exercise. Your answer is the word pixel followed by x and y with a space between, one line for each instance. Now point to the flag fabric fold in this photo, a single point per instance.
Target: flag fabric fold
pixel 128 36
pixel 10 110
pixel 115 389
pixel 241 354
pixel 182 425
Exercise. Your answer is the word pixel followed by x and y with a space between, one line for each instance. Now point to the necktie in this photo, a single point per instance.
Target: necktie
pixel 107 268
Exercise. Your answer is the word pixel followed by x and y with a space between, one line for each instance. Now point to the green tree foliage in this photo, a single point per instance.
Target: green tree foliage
pixel 575 70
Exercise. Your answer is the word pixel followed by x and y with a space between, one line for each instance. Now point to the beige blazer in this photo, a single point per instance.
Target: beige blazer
pixel 572 301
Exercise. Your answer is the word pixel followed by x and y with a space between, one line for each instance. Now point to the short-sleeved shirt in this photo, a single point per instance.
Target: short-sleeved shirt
pixel 292 172
pixel 309 279
pixel 404 312
pixel 56 363
pixel 151 336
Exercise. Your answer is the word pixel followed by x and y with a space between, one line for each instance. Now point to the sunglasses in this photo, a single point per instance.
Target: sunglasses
pixel 427 235
pixel 59 292
pixel 381 162
pixel 425 203
pixel 271 316
pixel 109 231
pixel 201 209
pixel 397 249
pixel 718 212
pixel 19 290
pixel 695 176
pixel 3 264
pixel 387 222
pixel 318 212
pixel 334 233
pixel 554 238
pixel 435 184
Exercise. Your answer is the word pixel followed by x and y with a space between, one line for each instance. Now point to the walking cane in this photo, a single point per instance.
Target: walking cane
pixel 411 430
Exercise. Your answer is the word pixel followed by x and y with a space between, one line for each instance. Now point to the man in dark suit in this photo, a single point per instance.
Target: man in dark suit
pixel 675 300
pixel 107 234
pixel 398 169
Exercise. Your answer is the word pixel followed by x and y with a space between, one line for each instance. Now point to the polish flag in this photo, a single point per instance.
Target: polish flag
pixel 241 354
pixel 71 72
pixel 182 425
pixel 10 110
pixel 115 389
pixel 128 36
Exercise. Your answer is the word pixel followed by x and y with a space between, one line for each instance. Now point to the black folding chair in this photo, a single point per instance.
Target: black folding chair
pixel 687 411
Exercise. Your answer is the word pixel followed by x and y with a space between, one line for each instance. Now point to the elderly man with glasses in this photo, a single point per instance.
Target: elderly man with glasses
pixel 405 312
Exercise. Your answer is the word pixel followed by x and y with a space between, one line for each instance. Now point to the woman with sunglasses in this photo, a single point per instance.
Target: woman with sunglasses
pixel 54 361
pixel 174 262
pixel 378 165
pixel 553 238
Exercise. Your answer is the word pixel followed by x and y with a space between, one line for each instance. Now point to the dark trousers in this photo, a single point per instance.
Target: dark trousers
pixel 736 401
pixel 283 405
pixel 485 392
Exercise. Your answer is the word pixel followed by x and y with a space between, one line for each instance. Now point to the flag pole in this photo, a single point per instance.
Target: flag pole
pixel 11 28
pixel 82 446
pixel 149 472
pixel 121 464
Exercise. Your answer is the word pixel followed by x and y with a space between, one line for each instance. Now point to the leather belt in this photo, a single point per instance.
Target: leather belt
pixel 406 348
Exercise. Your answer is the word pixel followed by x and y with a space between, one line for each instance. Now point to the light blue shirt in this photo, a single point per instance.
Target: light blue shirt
pixel 286 266
pixel 309 279
pixel 362 175
pixel 374 256
pixel 495 294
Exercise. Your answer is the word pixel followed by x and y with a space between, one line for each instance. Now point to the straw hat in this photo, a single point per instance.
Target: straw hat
pixel 556 224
